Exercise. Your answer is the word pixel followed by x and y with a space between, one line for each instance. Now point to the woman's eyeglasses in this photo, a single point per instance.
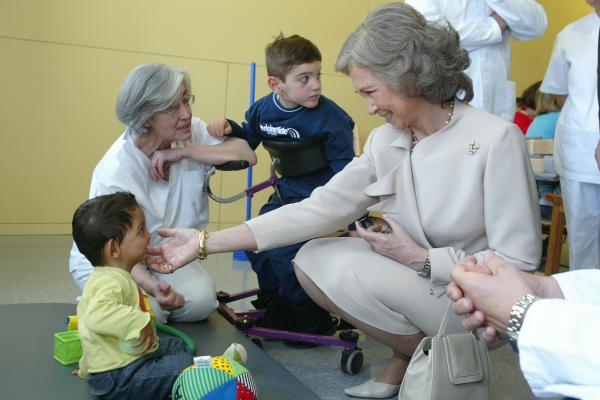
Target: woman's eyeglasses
pixel 186 101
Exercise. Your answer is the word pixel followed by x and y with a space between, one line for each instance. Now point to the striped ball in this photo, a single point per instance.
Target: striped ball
pixel 225 379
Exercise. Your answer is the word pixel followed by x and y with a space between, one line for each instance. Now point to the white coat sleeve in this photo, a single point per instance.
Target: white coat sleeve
pixel 558 349
pixel 474 33
pixel 580 286
pixel 556 80
pixel 526 19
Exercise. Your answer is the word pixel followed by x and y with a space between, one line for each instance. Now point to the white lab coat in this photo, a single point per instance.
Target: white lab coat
pixel 558 342
pixel 572 72
pixel 488 47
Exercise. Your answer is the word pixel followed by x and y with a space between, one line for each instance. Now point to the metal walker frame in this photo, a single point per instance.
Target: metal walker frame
pixel 245 321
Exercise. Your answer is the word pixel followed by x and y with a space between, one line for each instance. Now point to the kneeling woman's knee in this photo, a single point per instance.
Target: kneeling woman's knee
pixel 198 306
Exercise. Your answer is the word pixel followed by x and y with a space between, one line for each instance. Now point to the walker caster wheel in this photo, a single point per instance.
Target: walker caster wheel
pixel 245 322
pixel 257 341
pixel 222 296
pixel 348 336
pixel 352 361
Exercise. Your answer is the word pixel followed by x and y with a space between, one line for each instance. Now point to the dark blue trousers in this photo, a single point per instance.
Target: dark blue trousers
pixel 150 377
pixel 274 267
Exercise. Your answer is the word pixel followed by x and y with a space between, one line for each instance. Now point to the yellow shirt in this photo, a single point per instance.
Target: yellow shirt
pixel 110 317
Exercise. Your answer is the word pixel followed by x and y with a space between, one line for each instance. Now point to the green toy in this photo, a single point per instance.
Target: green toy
pixel 67 347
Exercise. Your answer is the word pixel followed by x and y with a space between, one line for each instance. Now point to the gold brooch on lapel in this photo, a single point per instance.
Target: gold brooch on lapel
pixel 472 147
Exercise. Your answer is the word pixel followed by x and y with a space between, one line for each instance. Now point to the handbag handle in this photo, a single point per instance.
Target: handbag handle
pixel 445 319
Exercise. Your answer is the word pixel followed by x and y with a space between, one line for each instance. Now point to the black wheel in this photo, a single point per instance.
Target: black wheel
pixel 257 341
pixel 348 336
pixel 245 322
pixel 222 296
pixel 344 325
pixel 352 361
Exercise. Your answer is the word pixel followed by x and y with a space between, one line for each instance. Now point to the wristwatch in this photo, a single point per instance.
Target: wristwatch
pixel 425 272
pixel 517 314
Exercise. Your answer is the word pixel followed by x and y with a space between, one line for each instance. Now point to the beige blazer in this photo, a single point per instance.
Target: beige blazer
pixel 464 189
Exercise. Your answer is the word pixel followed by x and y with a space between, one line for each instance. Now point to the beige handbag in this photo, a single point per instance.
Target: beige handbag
pixel 448 367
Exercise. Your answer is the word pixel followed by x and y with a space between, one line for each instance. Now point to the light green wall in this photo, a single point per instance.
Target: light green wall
pixel 63 62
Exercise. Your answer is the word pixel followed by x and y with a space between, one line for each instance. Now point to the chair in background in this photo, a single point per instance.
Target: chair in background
pixel 553 222
pixel 556 235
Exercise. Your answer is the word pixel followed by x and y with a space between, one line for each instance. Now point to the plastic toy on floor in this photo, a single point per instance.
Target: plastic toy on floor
pixel 67 346
pixel 222 377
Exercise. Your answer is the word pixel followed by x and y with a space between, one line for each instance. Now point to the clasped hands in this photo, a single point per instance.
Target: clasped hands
pixel 485 293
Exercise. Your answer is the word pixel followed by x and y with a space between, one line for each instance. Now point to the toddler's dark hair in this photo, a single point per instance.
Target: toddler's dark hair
pixel 100 219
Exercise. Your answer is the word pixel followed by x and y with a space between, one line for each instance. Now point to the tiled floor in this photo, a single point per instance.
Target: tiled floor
pixel 35 270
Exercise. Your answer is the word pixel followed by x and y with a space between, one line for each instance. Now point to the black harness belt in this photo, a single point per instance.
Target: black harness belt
pixel 293 159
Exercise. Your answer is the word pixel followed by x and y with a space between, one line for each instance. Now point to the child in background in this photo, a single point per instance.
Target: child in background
pixel 547 111
pixel 295 111
pixel 526 107
pixel 123 357
pixel 543 126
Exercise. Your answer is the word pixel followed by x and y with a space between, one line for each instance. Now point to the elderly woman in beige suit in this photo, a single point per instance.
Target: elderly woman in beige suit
pixel 451 181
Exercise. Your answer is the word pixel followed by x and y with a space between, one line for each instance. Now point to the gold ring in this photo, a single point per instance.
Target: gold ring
pixel 170 267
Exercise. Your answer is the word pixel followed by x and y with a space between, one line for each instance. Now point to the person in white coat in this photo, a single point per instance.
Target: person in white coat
pixel 485 27
pixel 572 73
pixel 552 322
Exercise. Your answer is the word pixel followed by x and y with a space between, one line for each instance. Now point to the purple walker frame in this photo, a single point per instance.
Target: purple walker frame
pixel 352 356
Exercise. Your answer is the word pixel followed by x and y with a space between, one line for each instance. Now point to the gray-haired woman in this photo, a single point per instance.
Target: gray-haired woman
pixel 450 180
pixel 155 103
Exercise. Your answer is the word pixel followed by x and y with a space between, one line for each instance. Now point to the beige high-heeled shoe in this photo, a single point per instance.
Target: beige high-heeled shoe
pixel 373 390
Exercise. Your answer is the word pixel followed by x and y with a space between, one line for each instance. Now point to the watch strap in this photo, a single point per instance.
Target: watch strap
pixel 515 321
pixel 425 272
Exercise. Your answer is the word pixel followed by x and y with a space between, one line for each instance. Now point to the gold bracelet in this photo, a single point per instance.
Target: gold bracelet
pixel 202 238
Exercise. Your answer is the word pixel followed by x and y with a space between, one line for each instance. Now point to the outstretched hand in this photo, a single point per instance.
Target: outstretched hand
pixel 180 250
